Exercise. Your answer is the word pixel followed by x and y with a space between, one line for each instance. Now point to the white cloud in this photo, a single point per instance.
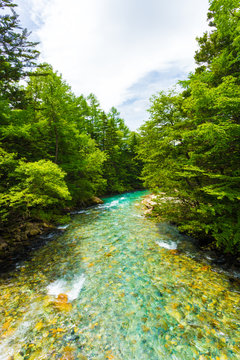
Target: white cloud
pixel 106 46
pixel 134 109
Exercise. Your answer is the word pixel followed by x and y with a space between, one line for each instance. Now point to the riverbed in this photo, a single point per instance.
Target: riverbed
pixel 116 285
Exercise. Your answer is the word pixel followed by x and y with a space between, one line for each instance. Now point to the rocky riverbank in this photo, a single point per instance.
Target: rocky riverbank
pixel 228 262
pixel 18 240
pixel 148 203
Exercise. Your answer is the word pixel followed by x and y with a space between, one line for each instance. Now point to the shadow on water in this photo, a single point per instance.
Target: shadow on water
pixel 172 239
pixel 25 252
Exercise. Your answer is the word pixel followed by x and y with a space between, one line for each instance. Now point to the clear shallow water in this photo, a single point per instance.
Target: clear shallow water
pixel 115 286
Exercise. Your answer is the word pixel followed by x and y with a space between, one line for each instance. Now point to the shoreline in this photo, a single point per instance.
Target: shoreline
pixel 214 256
pixel 21 239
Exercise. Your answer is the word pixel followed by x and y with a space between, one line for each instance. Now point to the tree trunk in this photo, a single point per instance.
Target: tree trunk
pixel 56 144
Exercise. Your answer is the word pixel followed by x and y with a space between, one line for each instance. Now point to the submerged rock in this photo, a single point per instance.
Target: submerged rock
pixel 62 298
pixel 62 303
pixel 68 354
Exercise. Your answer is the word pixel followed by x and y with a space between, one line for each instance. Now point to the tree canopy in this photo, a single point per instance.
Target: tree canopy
pixel 191 144
pixel 57 149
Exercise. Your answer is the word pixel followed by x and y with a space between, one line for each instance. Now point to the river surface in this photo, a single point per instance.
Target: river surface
pixel 117 286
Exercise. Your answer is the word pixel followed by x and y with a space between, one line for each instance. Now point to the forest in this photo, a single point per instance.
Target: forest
pixel 58 150
pixel 190 146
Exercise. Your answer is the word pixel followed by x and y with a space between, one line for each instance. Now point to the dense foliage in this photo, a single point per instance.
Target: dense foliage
pixel 191 144
pixel 56 149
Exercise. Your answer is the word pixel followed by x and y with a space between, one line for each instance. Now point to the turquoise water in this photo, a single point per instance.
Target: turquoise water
pixel 116 285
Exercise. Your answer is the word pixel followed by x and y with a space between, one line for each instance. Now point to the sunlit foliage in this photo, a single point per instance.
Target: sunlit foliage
pixel 191 144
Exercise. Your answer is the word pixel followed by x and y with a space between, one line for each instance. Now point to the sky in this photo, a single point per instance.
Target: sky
pixel 123 51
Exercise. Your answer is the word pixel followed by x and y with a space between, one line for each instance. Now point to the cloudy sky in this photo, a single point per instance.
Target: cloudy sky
pixel 123 51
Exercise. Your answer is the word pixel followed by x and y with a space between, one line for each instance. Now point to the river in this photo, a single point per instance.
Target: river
pixel 117 286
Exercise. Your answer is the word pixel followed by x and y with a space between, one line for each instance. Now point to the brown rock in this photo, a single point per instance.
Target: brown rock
pixel 96 200
pixel 3 246
pixel 32 229
pixel 62 303
pixel 62 298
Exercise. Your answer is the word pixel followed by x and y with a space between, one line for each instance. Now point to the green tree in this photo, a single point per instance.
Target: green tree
pixel 29 189
pixel 121 168
pixel 219 49
pixel 190 146
pixel 57 121
pixel 17 54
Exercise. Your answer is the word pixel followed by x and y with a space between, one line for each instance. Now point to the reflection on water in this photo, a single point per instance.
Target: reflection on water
pixel 117 286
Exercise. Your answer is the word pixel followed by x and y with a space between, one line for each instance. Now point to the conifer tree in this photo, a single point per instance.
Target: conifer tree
pixel 17 54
